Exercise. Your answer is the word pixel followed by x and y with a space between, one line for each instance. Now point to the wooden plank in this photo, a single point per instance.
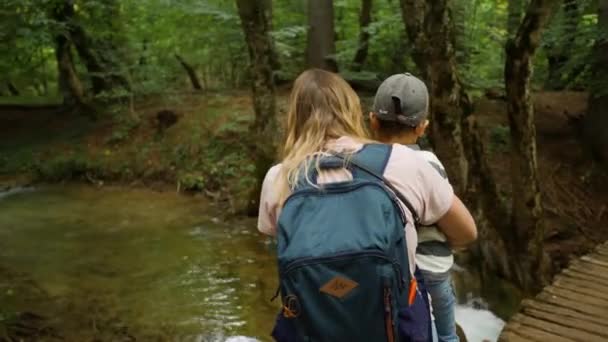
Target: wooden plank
pixel 574 334
pixel 573 308
pixel 599 267
pixel 566 312
pixel 585 300
pixel 591 259
pixel 591 269
pixel 602 248
pixel 588 281
pixel 532 333
pixel 600 255
pixel 584 288
pixel 573 305
pixel 574 323
pixel 510 336
pixel 578 273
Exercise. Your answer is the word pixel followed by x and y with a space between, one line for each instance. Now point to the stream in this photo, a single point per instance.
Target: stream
pixel 112 264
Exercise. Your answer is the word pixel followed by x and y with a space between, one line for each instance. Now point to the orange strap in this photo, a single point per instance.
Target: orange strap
pixel 288 313
pixel 413 290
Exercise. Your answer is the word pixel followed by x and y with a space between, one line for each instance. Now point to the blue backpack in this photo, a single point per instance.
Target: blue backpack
pixel 343 265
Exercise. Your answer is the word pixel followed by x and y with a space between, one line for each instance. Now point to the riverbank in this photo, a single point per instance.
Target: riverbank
pixel 183 143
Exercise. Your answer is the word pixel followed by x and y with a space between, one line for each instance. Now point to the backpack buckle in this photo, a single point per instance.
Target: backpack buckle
pixel 291 306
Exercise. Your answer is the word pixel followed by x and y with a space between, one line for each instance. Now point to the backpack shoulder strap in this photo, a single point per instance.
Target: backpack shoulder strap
pixel 372 160
pixel 375 157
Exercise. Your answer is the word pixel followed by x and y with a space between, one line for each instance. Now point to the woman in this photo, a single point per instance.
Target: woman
pixel 325 116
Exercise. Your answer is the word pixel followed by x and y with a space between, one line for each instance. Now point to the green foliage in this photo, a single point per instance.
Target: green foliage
pixel 139 39
pixel 63 167
pixel 571 34
pixel 480 46
pixel 191 181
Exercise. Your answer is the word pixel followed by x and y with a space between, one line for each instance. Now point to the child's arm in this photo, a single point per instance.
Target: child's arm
pixel 458 225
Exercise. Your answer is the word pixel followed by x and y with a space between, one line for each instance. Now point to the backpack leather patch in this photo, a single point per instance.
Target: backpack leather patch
pixel 338 286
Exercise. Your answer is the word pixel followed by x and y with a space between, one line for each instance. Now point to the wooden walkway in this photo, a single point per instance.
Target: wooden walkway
pixel 573 308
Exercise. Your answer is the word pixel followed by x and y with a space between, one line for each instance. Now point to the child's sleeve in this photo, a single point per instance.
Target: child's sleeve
pixel 269 202
pixel 428 191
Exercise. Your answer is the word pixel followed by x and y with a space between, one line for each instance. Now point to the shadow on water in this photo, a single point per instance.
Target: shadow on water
pixel 78 263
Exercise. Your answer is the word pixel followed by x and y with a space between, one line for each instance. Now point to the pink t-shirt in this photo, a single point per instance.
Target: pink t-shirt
pixel 430 194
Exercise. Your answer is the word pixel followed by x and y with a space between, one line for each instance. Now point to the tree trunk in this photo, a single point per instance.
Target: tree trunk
pixel 430 32
pixel 455 134
pixel 560 53
pixel 12 89
pixel 102 73
pixel 320 45
pixel 196 84
pixel 104 76
pixel 257 24
pixel 69 83
pixel 365 18
pixel 459 9
pixel 515 10
pixel 527 236
pixel 595 131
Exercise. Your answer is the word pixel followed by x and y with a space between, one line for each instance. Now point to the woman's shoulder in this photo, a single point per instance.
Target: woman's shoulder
pixel 273 172
pixel 272 175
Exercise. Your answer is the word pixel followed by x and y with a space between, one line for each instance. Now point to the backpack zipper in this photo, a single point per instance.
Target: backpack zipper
pixel 388 315
pixel 341 256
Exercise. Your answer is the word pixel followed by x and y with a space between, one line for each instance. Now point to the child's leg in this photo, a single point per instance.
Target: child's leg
pixel 443 301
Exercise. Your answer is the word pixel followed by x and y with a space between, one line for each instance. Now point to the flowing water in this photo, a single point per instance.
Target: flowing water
pixel 117 264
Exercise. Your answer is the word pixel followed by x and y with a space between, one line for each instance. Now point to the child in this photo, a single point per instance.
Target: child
pixel 400 117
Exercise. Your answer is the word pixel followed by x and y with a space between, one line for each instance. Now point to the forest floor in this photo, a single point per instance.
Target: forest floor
pixel 204 148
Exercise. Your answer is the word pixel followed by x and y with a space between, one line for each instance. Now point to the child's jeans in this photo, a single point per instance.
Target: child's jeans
pixel 439 287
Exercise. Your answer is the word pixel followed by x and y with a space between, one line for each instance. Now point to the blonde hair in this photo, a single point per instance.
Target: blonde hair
pixel 322 107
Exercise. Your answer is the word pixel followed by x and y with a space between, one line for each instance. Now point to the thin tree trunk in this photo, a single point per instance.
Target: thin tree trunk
pixel 103 75
pixel 257 24
pixel 320 46
pixel 515 9
pixel 196 84
pixel 595 131
pixel 365 18
pixel 69 83
pixel 12 89
pixel 526 240
pixel 460 34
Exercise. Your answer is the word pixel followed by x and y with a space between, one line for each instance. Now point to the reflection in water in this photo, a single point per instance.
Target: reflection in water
pixel 119 263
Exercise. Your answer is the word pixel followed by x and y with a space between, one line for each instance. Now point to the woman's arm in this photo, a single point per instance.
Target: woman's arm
pixel 269 203
pixel 458 225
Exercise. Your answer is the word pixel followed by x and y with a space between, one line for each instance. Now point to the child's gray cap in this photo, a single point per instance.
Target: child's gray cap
pixel 402 98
